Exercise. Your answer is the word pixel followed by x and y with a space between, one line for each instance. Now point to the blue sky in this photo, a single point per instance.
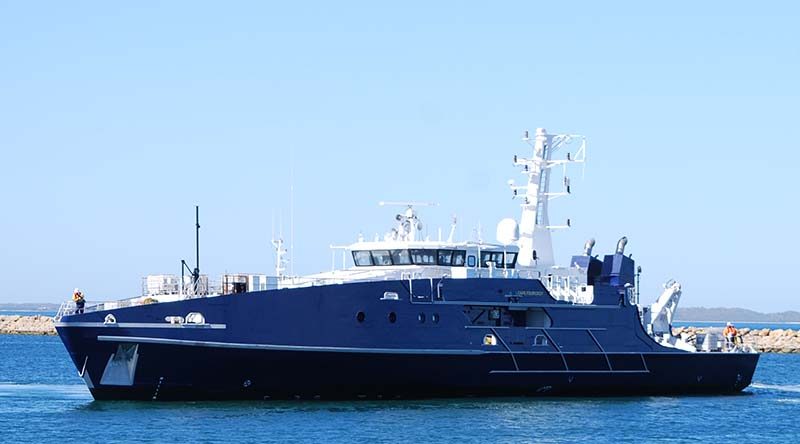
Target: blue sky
pixel 115 120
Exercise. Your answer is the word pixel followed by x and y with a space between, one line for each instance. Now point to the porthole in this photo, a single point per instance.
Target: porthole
pixel 435 318
pixel 392 317
pixel 421 318
pixel 360 316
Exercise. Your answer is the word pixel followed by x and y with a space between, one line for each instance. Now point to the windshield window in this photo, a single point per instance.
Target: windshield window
pixel 423 257
pixel 492 256
pixel 458 258
pixel 445 257
pixel 362 258
pixel 381 257
pixel 499 260
pixel 511 260
pixel 401 257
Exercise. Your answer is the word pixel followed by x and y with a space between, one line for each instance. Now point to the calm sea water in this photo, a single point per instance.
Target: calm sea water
pixel 26 313
pixel 43 400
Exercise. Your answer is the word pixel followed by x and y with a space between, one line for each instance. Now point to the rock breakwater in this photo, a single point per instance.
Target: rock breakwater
pixel 27 325
pixel 764 340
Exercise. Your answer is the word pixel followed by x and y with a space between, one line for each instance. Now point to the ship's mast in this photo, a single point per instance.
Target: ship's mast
pixel 535 243
pixel 280 250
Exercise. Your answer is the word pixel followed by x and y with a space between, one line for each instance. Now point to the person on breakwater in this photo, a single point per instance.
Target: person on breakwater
pixel 80 302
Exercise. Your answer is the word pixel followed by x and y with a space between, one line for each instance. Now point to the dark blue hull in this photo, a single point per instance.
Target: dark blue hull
pixel 309 343
pixel 240 374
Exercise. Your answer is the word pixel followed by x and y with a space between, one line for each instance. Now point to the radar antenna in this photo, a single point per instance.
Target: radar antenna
pixel 408 223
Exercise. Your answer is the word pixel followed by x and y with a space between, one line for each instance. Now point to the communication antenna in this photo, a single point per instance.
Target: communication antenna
pixel 280 251
pixel 291 213
pixel 184 266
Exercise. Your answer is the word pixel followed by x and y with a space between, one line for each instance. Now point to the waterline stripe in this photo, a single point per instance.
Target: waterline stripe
pixel 235 345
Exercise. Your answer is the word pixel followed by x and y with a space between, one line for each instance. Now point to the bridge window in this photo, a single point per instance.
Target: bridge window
pixel 511 260
pixel 381 257
pixel 401 257
pixel 444 257
pixel 492 256
pixel 362 258
pixel 471 261
pixel 500 260
pixel 458 258
pixel 423 257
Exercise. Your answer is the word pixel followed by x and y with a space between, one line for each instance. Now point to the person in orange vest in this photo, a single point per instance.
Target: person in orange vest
pixel 730 333
pixel 80 302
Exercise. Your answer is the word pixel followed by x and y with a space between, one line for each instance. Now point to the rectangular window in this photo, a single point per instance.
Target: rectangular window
pixel 458 258
pixel 500 260
pixel 511 260
pixel 381 257
pixel 445 257
pixel 492 256
pixel 401 257
pixel 423 257
pixel 362 258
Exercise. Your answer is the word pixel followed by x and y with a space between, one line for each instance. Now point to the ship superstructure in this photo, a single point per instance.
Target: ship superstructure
pixel 412 317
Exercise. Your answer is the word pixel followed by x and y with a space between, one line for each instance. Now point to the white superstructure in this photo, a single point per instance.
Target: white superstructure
pixel 523 249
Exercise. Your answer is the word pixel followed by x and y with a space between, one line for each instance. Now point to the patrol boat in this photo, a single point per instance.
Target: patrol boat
pixel 411 318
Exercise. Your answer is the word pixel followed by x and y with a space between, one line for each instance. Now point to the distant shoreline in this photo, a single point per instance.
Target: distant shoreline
pixel 738 322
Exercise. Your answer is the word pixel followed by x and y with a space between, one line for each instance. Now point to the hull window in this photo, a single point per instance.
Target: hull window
pixel 360 316
pixel 392 317
pixel 421 318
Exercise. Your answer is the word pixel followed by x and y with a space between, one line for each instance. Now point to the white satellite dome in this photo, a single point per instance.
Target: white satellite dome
pixel 507 231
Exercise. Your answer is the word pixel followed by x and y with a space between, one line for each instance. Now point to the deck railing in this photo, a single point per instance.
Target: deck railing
pixel 568 284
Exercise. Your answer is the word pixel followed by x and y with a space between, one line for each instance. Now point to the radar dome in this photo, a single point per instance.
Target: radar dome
pixel 507 231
